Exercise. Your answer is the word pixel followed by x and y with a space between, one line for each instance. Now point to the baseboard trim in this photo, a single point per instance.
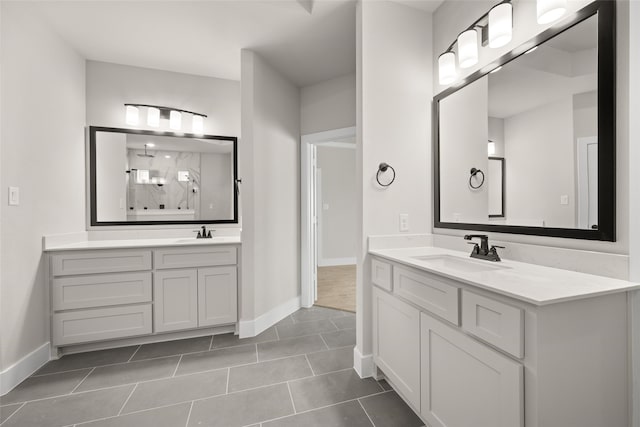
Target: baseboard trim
pixel 23 368
pixel 330 262
pixel 251 328
pixel 363 364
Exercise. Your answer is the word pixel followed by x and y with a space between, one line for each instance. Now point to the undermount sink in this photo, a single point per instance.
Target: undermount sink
pixel 454 263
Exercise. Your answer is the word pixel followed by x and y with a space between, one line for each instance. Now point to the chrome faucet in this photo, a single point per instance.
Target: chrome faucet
pixel 204 234
pixel 483 251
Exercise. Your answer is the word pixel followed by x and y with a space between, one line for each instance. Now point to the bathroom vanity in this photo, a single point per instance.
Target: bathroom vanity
pixel 102 291
pixel 475 343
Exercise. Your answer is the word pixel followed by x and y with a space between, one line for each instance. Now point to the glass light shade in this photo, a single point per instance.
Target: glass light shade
pixel 447 68
pixel 491 148
pixel 500 25
pixel 175 120
pixel 550 10
pixel 468 49
pixel 153 117
pixel 197 126
pixel 131 115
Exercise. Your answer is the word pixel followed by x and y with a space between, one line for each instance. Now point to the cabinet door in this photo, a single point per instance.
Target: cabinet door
pixel 465 383
pixel 175 300
pixel 217 296
pixel 396 343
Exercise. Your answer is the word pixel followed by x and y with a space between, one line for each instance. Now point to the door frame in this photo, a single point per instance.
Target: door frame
pixel 582 184
pixel 308 208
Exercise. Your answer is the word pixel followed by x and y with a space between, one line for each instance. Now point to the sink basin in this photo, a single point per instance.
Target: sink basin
pixel 454 263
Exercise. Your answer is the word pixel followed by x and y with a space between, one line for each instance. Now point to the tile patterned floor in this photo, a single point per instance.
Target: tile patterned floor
pixel 297 373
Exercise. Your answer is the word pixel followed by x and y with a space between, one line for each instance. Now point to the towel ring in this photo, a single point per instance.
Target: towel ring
pixel 475 172
pixel 382 167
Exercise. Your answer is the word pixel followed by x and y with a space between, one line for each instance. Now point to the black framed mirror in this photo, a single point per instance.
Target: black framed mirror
pixel 140 177
pixel 548 109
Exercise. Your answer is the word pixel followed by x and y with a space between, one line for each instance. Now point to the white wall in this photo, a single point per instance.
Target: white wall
pixel 337 223
pixel 42 152
pixel 393 125
pixel 328 105
pixel 110 86
pixel 539 141
pixel 111 180
pixel 453 16
pixel 466 148
pixel 269 167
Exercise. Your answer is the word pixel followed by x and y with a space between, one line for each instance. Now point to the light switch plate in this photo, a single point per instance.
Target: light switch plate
pixel 14 196
pixel 404 222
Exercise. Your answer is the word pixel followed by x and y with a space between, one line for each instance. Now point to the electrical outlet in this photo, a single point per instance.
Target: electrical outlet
pixel 564 200
pixel 14 196
pixel 404 222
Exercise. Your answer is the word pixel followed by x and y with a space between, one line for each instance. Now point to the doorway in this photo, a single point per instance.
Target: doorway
pixel 327 208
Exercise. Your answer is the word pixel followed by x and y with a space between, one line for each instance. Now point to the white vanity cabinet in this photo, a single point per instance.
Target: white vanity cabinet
pixel 462 355
pixel 111 294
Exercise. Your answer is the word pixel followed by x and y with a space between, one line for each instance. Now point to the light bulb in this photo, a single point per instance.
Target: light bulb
pixel 500 25
pixel 468 49
pixel 550 10
pixel 153 117
pixel 197 126
pixel 491 148
pixel 175 120
pixel 131 115
pixel 447 68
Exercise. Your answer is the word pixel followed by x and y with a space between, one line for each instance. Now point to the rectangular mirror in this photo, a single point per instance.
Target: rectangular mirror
pixel 142 177
pixel 527 145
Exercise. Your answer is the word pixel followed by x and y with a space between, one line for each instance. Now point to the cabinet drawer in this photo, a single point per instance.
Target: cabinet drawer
pixel 381 274
pixel 88 262
pixel 427 291
pixel 494 322
pixel 101 324
pixel 101 290
pixel 194 257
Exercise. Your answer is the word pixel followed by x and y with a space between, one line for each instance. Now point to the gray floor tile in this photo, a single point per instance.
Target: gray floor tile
pixel 389 410
pixel 305 328
pixel 216 359
pixel 336 387
pixel 170 416
pixel 231 410
pixel 385 385
pixel 290 347
pixel 340 338
pixel 45 386
pixel 127 373
pixel 346 322
pixel 7 411
pixel 331 360
pixel 315 313
pixel 70 409
pixel 171 348
pixel 232 340
pixel 267 373
pixel 286 321
pixel 153 394
pixel 88 360
pixel 348 414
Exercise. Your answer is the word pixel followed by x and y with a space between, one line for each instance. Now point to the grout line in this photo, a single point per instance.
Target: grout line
pixel 127 401
pixel 14 412
pixel 211 343
pixel 228 376
pixel 257 354
pixel 293 404
pixel 62 372
pixel 189 416
pixel 309 363
pixel 134 353
pixel 177 366
pixel 324 342
pixel 130 413
pixel 366 413
pixel 277 334
pixel 80 383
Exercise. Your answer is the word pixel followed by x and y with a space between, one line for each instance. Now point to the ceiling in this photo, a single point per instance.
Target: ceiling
pixel 308 41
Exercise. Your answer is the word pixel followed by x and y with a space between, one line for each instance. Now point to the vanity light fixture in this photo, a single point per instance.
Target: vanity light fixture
pixel 549 11
pixel 156 113
pixel 494 28
pixel 495 70
pixel 531 50
pixel 491 148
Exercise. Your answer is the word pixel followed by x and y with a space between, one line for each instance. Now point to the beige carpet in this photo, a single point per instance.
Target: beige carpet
pixel 337 287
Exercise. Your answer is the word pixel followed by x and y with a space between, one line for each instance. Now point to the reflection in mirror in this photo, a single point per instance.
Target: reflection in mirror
pixel 539 113
pixel 144 177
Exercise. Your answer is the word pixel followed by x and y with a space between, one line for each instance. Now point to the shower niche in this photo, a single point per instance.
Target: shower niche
pixel 145 177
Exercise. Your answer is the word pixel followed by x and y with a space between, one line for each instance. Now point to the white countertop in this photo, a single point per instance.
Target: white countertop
pixel 142 243
pixel 531 283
